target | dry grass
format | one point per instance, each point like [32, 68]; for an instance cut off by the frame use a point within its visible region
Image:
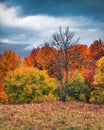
[52, 116]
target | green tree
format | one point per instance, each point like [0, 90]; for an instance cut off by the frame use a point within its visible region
[26, 84]
[77, 87]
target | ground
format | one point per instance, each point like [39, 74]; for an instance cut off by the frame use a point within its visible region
[52, 116]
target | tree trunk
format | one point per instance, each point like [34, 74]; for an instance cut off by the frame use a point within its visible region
[60, 75]
[66, 73]
[66, 82]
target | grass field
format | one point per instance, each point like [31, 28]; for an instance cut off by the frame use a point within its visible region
[52, 116]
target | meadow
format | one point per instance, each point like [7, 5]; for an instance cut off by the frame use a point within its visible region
[52, 116]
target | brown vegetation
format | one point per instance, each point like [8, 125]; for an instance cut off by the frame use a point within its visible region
[52, 116]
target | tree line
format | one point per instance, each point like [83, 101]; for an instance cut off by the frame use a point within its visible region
[61, 69]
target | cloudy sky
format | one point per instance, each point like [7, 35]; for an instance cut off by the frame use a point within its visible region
[30, 22]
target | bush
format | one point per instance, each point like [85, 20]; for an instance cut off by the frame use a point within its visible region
[46, 98]
[78, 89]
[97, 95]
[25, 85]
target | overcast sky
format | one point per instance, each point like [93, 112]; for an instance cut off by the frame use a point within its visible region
[32, 21]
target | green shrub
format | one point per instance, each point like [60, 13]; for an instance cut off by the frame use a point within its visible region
[97, 95]
[46, 98]
[26, 84]
[78, 89]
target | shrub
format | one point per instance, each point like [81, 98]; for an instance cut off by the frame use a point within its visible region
[78, 89]
[25, 85]
[97, 95]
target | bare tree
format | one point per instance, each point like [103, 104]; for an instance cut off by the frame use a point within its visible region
[62, 40]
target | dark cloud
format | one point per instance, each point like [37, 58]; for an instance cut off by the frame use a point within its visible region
[3, 0]
[89, 8]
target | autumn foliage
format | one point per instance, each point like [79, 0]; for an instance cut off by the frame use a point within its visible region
[42, 58]
[97, 94]
[8, 61]
[36, 80]
[78, 88]
[3, 96]
[97, 49]
[27, 84]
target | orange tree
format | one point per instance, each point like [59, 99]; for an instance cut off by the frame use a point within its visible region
[79, 54]
[30, 60]
[42, 58]
[8, 61]
[97, 49]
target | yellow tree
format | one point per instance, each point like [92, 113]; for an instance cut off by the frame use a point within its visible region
[28, 84]
[97, 95]
[99, 76]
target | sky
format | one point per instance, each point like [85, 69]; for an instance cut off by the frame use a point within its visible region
[31, 22]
